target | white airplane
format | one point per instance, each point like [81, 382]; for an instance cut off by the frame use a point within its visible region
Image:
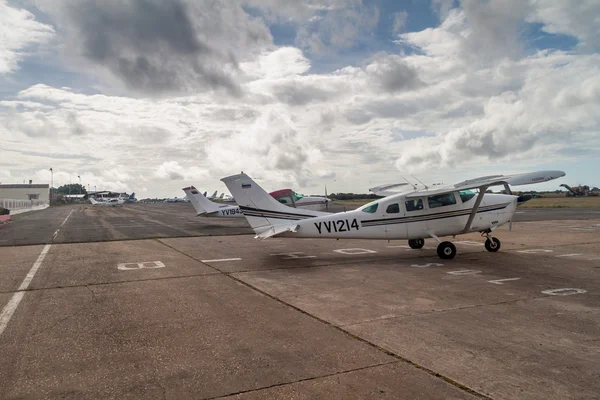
[112, 201]
[204, 206]
[213, 196]
[413, 215]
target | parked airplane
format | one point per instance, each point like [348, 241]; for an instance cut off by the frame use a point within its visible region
[204, 206]
[112, 201]
[413, 215]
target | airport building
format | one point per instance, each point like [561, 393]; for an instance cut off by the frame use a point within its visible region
[38, 192]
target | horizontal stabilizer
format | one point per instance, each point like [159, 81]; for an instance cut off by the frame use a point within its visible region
[275, 230]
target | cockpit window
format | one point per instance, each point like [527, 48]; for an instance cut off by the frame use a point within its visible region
[393, 209]
[371, 209]
[285, 200]
[441, 200]
[466, 195]
[297, 196]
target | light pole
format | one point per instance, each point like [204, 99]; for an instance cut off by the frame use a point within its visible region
[51, 184]
[79, 184]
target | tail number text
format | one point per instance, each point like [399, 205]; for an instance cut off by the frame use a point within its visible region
[342, 225]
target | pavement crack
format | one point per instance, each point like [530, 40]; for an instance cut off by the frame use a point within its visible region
[390, 353]
[301, 380]
[443, 310]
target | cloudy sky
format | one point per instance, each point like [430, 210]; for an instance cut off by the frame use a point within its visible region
[153, 95]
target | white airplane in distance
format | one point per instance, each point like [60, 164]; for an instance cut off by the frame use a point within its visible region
[212, 196]
[204, 206]
[112, 201]
[412, 215]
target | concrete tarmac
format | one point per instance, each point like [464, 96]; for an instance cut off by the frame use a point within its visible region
[213, 316]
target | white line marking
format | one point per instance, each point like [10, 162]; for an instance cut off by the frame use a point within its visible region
[564, 291]
[533, 251]
[55, 234]
[222, 259]
[354, 251]
[12, 305]
[569, 255]
[499, 281]
[464, 272]
[67, 218]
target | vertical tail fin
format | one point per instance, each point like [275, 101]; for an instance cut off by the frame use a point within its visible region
[93, 201]
[201, 204]
[132, 196]
[260, 209]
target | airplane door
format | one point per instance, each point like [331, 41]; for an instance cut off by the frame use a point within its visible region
[417, 228]
[395, 227]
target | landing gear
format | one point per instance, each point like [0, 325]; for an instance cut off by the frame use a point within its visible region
[492, 244]
[416, 243]
[446, 250]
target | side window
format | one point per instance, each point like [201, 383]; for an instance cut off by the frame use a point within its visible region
[414, 205]
[466, 195]
[441, 200]
[393, 209]
[371, 209]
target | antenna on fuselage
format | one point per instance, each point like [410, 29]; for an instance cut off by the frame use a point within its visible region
[426, 188]
[409, 182]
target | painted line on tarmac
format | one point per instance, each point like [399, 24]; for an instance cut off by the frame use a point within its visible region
[221, 259]
[61, 225]
[12, 305]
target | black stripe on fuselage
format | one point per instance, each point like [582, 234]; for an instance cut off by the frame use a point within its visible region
[257, 212]
[429, 217]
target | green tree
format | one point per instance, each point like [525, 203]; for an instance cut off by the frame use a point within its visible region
[73, 188]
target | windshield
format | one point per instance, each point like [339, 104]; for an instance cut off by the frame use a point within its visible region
[297, 196]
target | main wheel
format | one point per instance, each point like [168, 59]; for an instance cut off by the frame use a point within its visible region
[492, 245]
[446, 250]
[416, 243]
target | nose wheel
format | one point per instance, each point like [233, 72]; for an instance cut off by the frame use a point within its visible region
[416, 243]
[446, 250]
[492, 244]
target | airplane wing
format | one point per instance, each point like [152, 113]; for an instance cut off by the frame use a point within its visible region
[274, 230]
[485, 182]
[384, 190]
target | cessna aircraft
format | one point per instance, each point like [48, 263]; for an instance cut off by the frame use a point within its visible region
[204, 206]
[113, 201]
[413, 215]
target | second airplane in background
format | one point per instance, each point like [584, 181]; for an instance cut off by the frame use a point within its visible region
[205, 207]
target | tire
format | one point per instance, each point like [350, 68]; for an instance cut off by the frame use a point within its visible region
[416, 243]
[446, 250]
[492, 245]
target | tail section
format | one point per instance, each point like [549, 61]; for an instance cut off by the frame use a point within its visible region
[201, 204]
[260, 209]
[222, 194]
[132, 196]
[93, 201]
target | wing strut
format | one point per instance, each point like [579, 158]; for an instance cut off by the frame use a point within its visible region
[475, 208]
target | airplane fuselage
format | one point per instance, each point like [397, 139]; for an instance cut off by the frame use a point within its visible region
[397, 219]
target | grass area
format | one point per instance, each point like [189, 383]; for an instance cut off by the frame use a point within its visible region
[546, 202]
[563, 202]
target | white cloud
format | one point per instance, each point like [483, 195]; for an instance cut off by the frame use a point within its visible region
[18, 32]
[576, 19]
[465, 96]
[173, 171]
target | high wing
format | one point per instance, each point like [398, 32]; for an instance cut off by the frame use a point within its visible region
[485, 182]
[384, 190]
